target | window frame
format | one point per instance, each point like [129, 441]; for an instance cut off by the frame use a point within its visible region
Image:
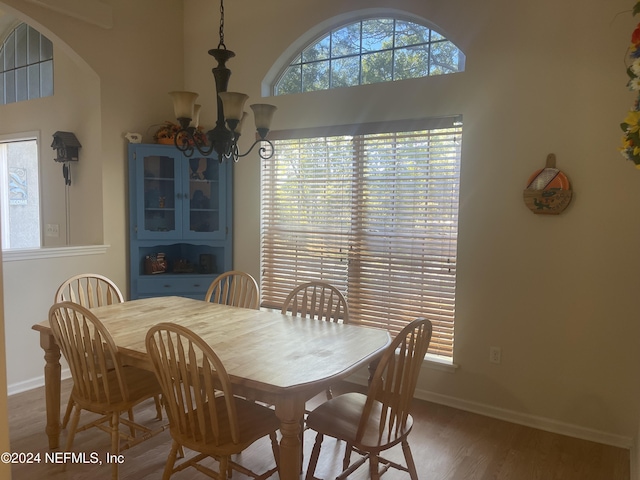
[431, 124]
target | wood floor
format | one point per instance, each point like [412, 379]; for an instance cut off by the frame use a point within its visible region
[447, 444]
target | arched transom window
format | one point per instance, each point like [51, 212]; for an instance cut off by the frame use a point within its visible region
[369, 51]
[26, 65]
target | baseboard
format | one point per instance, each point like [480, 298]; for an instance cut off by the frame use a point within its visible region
[541, 423]
[36, 382]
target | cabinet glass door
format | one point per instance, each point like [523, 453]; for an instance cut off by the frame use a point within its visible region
[159, 213]
[205, 191]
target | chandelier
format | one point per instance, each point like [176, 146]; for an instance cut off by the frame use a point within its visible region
[223, 138]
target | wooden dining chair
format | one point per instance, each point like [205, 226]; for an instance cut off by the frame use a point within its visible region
[235, 288]
[372, 423]
[204, 415]
[91, 290]
[100, 383]
[319, 300]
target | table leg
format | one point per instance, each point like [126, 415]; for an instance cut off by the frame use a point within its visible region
[52, 387]
[290, 411]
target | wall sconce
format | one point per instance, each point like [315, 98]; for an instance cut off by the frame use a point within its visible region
[66, 146]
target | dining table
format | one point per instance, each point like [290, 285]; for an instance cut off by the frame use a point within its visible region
[270, 357]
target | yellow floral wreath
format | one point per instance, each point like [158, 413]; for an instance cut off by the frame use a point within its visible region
[631, 140]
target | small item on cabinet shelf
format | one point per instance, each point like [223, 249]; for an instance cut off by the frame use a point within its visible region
[207, 263]
[183, 266]
[199, 200]
[165, 135]
[197, 167]
[155, 264]
[548, 190]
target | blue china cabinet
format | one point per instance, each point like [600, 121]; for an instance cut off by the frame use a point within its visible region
[180, 218]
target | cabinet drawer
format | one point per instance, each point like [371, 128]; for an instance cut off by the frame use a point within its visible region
[161, 283]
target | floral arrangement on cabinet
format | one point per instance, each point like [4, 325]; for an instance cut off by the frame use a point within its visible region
[168, 130]
[631, 126]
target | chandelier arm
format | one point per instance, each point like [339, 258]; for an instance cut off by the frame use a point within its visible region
[234, 152]
[183, 145]
[264, 152]
[186, 142]
[205, 152]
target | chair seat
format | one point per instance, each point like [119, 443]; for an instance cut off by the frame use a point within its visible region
[254, 422]
[340, 418]
[142, 384]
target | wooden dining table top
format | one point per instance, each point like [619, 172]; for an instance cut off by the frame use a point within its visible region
[263, 350]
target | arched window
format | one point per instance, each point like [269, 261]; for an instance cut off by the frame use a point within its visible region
[26, 65]
[369, 51]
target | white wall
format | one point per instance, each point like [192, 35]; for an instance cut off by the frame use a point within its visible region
[558, 294]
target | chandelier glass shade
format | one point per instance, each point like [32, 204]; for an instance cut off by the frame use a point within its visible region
[223, 138]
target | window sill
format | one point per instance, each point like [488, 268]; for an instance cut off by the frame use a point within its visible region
[52, 252]
[439, 363]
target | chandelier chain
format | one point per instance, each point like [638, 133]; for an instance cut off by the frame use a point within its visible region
[221, 44]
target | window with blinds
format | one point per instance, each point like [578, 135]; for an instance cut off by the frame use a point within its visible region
[372, 209]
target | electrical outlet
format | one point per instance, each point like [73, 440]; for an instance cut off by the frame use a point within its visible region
[52, 230]
[495, 354]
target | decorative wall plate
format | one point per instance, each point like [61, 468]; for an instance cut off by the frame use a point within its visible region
[548, 190]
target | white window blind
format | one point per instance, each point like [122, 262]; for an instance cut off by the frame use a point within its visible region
[372, 209]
